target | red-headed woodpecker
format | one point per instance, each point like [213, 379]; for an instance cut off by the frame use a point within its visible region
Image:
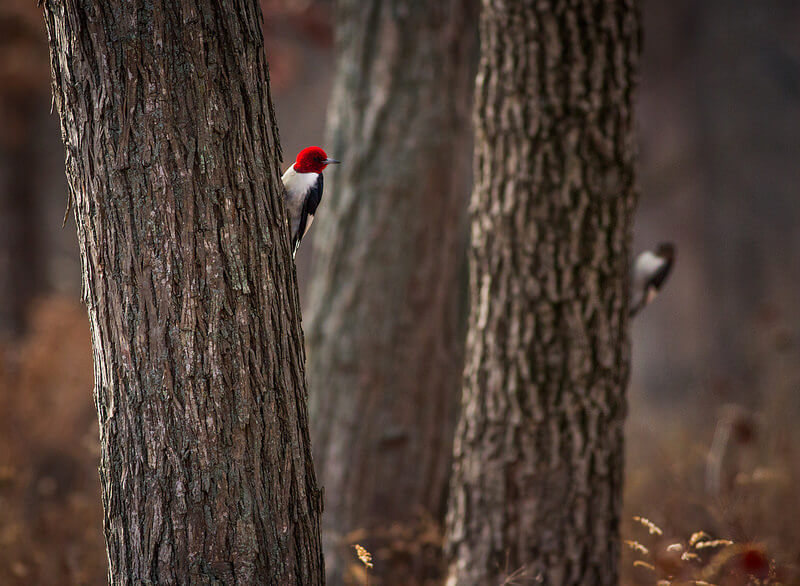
[650, 271]
[303, 190]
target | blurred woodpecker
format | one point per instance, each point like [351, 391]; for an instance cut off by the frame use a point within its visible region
[303, 190]
[649, 273]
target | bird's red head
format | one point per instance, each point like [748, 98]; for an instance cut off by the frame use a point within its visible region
[312, 160]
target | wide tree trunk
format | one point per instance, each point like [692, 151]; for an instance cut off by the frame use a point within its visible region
[386, 306]
[537, 478]
[173, 162]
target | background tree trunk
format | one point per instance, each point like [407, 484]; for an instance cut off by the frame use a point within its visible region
[173, 160]
[537, 479]
[21, 258]
[386, 320]
[23, 90]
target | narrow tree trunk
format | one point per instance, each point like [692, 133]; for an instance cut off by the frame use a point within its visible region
[537, 479]
[23, 87]
[21, 257]
[386, 335]
[173, 161]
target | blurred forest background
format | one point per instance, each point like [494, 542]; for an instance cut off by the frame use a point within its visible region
[719, 122]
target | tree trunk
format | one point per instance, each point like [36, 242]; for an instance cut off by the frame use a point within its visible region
[23, 87]
[173, 161]
[537, 478]
[21, 257]
[387, 310]
[744, 102]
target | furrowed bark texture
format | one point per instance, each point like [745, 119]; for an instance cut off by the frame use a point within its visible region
[537, 479]
[386, 329]
[173, 159]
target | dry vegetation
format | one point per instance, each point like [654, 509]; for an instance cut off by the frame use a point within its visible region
[744, 529]
[50, 516]
[731, 472]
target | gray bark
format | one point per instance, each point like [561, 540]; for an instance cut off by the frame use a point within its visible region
[172, 156]
[386, 307]
[537, 477]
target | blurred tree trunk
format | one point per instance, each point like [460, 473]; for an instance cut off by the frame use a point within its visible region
[21, 262]
[537, 477]
[386, 320]
[745, 102]
[173, 160]
[23, 83]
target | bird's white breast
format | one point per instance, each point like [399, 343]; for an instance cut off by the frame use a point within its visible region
[298, 184]
[647, 264]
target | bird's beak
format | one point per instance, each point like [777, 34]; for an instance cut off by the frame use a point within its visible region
[331, 161]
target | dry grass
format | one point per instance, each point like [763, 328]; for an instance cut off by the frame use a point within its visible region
[751, 531]
[701, 560]
[733, 471]
[401, 552]
[366, 560]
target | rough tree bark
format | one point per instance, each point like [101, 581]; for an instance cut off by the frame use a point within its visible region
[386, 310]
[173, 160]
[537, 478]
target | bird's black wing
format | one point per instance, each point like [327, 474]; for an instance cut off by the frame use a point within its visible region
[310, 204]
[651, 287]
[658, 278]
